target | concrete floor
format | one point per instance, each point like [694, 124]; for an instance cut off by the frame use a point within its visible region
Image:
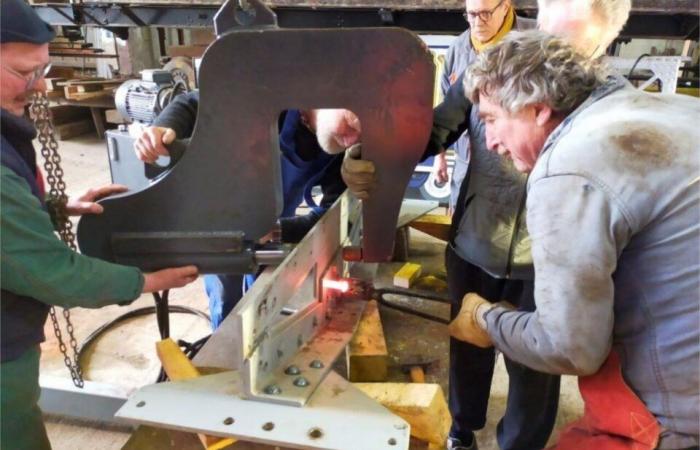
[126, 355]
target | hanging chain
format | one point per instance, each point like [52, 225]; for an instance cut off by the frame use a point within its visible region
[39, 111]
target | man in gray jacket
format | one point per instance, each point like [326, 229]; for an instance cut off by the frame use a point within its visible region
[489, 248]
[613, 211]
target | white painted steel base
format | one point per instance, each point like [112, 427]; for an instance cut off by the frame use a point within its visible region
[338, 416]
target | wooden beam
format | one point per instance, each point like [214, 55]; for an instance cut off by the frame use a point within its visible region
[407, 275]
[437, 226]
[423, 406]
[366, 354]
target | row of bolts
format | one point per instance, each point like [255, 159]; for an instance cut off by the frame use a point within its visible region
[273, 389]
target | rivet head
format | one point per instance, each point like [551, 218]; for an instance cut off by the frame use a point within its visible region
[301, 382]
[292, 370]
[273, 389]
[316, 364]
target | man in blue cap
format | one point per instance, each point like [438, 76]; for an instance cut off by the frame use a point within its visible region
[38, 270]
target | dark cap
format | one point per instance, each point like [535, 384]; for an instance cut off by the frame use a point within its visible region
[20, 23]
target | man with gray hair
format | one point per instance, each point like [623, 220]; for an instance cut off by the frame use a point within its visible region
[613, 211]
[489, 247]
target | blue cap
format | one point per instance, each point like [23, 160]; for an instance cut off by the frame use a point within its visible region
[20, 23]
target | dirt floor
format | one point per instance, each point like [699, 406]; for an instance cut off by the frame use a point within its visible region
[125, 356]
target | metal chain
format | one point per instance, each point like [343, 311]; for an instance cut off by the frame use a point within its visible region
[41, 115]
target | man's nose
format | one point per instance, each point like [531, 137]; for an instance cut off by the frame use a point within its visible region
[491, 141]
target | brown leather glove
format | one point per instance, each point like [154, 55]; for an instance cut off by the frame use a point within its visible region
[357, 173]
[469, 326]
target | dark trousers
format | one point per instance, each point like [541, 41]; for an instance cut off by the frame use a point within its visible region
[533, 397]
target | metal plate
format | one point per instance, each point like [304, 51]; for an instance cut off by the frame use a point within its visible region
[338, 414]
[229, 177]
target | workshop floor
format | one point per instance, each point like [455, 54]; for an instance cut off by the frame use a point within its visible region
[126, 356]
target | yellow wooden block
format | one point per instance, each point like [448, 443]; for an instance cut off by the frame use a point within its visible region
[178, 367]
[437, 226]
[406, 275]
[175, 363]
[423, 406]
[366, 354]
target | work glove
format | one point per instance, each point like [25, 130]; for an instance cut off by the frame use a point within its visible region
[469, 325]
[358, 174]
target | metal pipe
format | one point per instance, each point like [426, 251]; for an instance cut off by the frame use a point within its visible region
[269, 257]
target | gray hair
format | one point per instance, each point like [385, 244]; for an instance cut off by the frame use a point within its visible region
[612, 13]
[533, 67]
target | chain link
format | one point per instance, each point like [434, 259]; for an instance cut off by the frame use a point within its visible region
[41, 115]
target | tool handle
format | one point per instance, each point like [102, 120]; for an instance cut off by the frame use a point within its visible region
[417, 374]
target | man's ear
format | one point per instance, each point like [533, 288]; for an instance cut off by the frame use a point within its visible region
[543, 114]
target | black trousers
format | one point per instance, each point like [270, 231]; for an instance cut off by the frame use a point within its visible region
[533, 397]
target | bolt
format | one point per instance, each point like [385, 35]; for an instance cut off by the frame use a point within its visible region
[301, 382]
[316, 364]
[273, 389]
[292, 370]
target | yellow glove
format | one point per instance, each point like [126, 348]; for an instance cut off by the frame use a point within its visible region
[469, 326]
[357, 173]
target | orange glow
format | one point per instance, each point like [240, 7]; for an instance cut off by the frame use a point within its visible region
[337, 285]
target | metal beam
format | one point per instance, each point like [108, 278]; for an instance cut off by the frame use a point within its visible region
[95, 401]
[650, 18]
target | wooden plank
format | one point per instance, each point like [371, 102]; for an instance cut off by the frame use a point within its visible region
[423, 406]
[366, 354]
[93, 81]
[102, 93]
[73, 129]
[178, 367]
[191, 51]
[71, 91]
[435, 225]
[54, 95]
[61, 72]
[51, 83]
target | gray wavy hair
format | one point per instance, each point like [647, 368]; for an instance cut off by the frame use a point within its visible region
[612, 13]
[531, 67]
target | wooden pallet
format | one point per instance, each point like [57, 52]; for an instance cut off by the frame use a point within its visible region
[89, 88]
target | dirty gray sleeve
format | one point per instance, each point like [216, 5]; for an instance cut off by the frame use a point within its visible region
[577, 234]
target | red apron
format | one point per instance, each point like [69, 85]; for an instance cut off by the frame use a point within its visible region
[614, 417]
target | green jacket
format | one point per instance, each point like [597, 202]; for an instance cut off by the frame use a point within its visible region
[36, 266]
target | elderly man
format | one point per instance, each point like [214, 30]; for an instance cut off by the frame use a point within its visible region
[489, 249]
[38, 270]
[614, 217]
[488, 21]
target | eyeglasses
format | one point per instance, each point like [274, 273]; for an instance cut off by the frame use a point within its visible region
[32, 77]
[485, 14]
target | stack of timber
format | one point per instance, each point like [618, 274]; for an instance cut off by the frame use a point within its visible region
[88, 88]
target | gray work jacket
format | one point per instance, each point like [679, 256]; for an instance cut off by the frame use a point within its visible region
[614, 217]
